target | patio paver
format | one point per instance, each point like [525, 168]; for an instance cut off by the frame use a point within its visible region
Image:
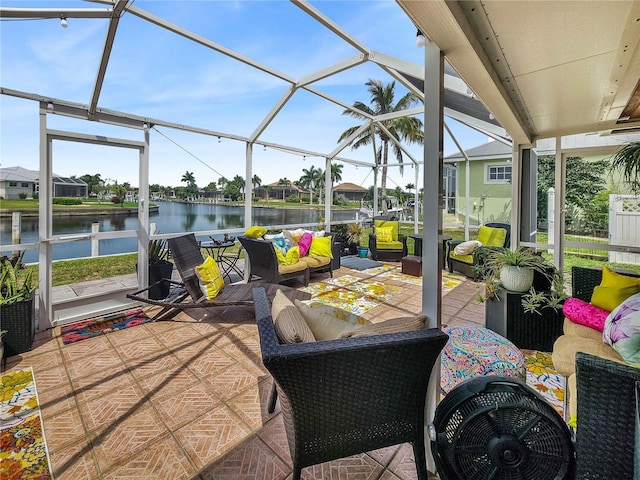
[184, 399]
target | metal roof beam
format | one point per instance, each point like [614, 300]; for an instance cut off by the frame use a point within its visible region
[27, 13]
[206, 42]
[106, 53]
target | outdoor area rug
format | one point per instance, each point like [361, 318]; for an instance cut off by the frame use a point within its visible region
[358, 263]
[101, 325]
[23, 449]
[542, 377]
[352, 294]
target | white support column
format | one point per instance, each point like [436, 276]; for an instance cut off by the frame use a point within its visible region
[45, 228]
[328, 190]
[559, 210]
[516, 189]
[432, 217]
[416, 198]
[143, 213]
[248, 186]
[375, 191]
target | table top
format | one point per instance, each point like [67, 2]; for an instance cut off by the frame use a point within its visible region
[418, 236]
[209, 244]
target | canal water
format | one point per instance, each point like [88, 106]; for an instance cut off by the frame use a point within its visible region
[172, 217]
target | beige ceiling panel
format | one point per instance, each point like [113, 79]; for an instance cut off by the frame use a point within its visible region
[539, 35]
[575, 85]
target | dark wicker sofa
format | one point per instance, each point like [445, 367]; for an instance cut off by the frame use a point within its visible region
[606, 428]
[352, 395]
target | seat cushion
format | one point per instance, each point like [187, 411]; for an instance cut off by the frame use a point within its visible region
[289, 323]
[315, 261]
[296, 267]
[572, 328]
[491, 236]
[393, 325]
[566, 347]
[326, 321]
[470, 259]
[389, 245]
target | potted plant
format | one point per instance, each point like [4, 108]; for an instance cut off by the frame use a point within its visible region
[514, 268]
[354, 237]
[16, 305]
[159, 268]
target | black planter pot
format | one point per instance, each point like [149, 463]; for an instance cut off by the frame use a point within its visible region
[17, 319]
[353, 249]
[158, 271]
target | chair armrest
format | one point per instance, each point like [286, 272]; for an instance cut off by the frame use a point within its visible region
[372, 241]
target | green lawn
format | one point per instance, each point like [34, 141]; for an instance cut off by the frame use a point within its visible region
[89, 203]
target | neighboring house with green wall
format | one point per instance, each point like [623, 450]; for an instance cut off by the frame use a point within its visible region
[490, 171]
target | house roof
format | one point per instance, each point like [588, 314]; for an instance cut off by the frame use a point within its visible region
[20, 174]
[349, 187]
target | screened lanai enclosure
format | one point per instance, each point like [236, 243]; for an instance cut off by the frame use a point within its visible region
[220, 89]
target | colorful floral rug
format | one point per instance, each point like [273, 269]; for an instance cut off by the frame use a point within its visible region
[352, 294]
[99, 326]
[23, 449]
[542, 377]
[394, 272]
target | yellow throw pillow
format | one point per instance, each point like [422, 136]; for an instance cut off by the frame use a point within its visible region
[613, 279]
[211, 280]
[255, 232]
[320, 247]
[387, 223]
[614, 289]
[384, 234]
[608, 298]
[291, 258]
[492, 237]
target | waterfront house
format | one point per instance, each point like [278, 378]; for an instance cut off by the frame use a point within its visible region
[19, 182]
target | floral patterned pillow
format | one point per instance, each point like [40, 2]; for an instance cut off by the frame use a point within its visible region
[583, 313]
[622, 330]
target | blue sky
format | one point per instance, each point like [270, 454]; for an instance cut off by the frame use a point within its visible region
[156, 73]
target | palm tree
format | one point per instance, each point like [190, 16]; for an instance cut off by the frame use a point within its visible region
[256, 181]
[627, 160]
[188, 178]
[308, 180]
[409, 186]
[287, 183]
[407, 129]
[336, 173]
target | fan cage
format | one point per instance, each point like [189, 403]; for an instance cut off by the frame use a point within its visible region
[499, 428]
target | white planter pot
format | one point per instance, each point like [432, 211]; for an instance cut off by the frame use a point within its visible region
[516, 279]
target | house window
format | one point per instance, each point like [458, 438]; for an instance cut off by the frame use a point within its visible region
[24, 184]
[13, 184]
[498, 174]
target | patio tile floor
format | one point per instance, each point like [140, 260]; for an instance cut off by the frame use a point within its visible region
[183, 399]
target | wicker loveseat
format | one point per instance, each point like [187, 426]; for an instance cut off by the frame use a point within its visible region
[351, 395]
[263, 261]
[581, 338]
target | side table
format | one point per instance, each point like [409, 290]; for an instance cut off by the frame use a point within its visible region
[417, 246]
[505, 315]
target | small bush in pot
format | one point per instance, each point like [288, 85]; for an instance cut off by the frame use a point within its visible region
[16, 305]
[159, 268]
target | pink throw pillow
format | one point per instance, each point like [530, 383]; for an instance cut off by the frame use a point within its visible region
[583, 313]
[305, 243]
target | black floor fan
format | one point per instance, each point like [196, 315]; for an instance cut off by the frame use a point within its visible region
[498, 428]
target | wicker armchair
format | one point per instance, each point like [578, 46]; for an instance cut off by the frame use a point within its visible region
[349, 396]
[263, 263]
[605, 435]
